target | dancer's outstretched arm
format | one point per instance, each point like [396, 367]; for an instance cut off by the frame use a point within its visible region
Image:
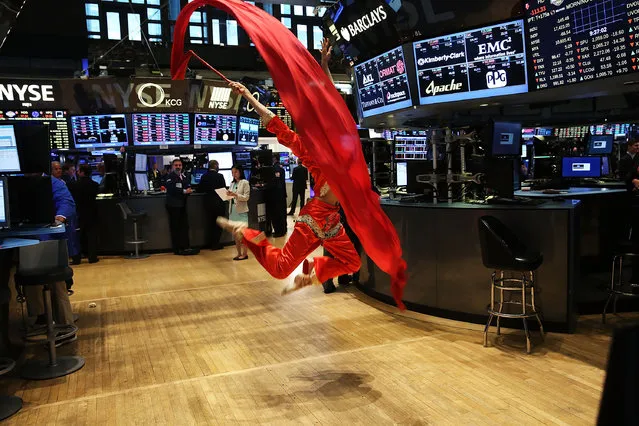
[326, 57]
[263, 112]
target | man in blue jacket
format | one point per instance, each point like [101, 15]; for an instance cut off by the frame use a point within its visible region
[65, 211]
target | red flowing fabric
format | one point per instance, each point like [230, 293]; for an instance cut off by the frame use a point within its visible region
[323, 122]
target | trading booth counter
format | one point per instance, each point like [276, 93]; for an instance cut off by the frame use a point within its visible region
[571, 192]
[114, 231]
[446, 276]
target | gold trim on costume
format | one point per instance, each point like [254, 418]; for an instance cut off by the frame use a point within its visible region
[319, 233]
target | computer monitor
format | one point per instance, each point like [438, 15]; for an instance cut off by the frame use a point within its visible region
[600, 145]
[31, 200]
[228, 176]
[243, 158]
[97, 179]
[402, 177]
[502, 176]
[9, 159]
[4, 203]
[503, 139]
[196, 175]
[581, 167]
[224, 159]
[140, 163]
[141, 182]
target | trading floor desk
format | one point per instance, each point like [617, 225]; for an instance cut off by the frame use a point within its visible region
[113, 231]
[446, 276]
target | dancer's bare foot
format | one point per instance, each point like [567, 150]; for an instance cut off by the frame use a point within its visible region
[234, 228]
[300, 281]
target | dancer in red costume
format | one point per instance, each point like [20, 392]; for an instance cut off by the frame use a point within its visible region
[325, 125]
[317, 224]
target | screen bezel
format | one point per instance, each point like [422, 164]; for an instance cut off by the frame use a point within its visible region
[5, 194]
[154, 144]
[101, 145]
[609, 138]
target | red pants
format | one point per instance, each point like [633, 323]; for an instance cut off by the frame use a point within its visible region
[318, 224]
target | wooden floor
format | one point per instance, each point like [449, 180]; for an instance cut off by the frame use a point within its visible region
[205, 340]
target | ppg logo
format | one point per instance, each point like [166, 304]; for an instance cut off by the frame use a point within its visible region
[496, 79]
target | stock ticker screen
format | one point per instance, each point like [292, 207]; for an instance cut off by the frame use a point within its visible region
[248, 131]
[57, 121]
[215, 129]
[489, 61]
[382, 84]
[577, 41]
[99, 131]
[161, 129]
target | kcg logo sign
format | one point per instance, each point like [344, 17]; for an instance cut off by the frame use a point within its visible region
[153, 95]
[496, 79]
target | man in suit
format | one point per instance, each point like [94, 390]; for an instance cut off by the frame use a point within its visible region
[629, 172]
[68, 173]
[178, 189]
[300, 176]
[155, 177]
[629, 163]
[278, 195]
[213, 204]
[84, 192]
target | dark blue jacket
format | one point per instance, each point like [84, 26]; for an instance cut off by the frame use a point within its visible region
[175, 196]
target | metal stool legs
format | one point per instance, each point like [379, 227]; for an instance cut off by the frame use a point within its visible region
[9, 405]
[136, 244]
[56, 366]
[528, 310]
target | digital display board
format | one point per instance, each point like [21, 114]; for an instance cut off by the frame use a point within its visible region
[610, 129]
[571, 132]
[9, 159]
[411, 148]
[248, 130]
[489, 61]
[382, 84]
[282, 114]
[56, 120]
[161, 129]
[99, 131]
[215, 129]
[577, 41]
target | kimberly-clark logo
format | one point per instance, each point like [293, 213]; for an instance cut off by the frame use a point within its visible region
[496, 79]
[440, 58]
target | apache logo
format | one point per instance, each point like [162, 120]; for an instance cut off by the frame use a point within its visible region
[451, 87]
[362, 24]
[152, 95]
[496, 79]
[496, 47]
[26, 92]
[368, 79]
[394, 96]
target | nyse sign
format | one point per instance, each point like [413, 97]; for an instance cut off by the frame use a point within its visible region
[28, 94]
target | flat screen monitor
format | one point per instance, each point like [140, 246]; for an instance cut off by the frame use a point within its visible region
[228, 176]
[140, 162]
[506, 139]
[243, 158]
[4, 203]
[485, 62]
[248, 131]
[97, 179]
[31, 200]
[573, 42]
[402, 177]
[413, 169]
[224, 159]
[382, 84]
[524, 150]
[411, 148]
[215, 129]
[196, 175]
[99, 131]
[161, 129]
[141, 182]
[284, 158]
[600, 145]
[9, 159]
[56, 121]
[581, 167]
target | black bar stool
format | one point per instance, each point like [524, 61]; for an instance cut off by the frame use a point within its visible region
[502, 251]
[43, 265]
[134, 217]
[624, 249]
[9, 405]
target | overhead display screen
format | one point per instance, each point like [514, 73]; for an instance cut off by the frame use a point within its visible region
[161, 129]
[56, 120]
[382, 84]
[248, 131]
[576, 41]
[99, 131]
[215, 129]
[489, 61]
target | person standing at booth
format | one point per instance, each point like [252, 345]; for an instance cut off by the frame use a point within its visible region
[155, 177]
[300, 176]
[178, 189]
[213, 204]
[68, 173]
[85, 192]
[240, 192]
